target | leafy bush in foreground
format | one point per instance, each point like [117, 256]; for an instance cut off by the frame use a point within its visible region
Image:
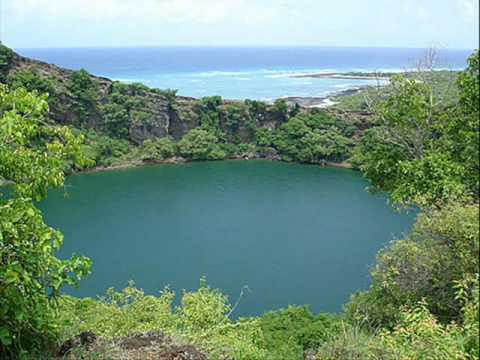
[421, 151]
[32, 158]
[417, 336]
[289, 332]
[441, 250]
[202, 318]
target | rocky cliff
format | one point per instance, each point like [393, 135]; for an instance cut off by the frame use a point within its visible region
[132, 111]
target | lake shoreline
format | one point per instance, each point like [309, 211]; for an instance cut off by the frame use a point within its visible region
[180, 161]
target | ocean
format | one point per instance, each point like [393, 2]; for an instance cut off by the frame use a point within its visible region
[261, 73]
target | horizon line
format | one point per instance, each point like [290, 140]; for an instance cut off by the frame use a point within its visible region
[239, 46]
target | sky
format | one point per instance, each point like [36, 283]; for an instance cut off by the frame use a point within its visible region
[371, 23]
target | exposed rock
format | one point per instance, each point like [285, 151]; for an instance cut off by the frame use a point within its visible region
[85, 339]
[141, 346]
[269, 154]
[310, 355]
[185, 352]
[161, 116]
[138, 341]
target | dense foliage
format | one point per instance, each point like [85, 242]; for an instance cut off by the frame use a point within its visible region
[423, 302]
[421, 151]
[425, 154]
[417, 335]
[160, 149]
[32, 81]
[124, 106]
[441, 251]
[289, 332]
[6, 56]
[32, 156]
[84, 92]
[202, 318]
[200, 144]
[313, 138]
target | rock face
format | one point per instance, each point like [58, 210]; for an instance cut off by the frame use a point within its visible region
[140, 346]
[157, 113]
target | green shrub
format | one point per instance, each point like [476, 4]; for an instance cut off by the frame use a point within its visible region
[210, 115]
[202, 318]
[441, 250]
[117, 119]
[158, 149]
[280, 109]
[257, 109]
[352, 343]
[310, 138]
[6, 57]
[236, 117]
[124, 107]
[84, 93]
[246, 150]
[103, 150]
[32, 157]
[417, 336]
[291, 331]
[32, 81]
[421, 151]
[200, 144]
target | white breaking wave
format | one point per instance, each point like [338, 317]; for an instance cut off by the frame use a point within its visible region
[275, 74]
[344, 86]
[221, 73]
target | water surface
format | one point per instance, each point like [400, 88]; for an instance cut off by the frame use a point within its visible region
[241, 72]
[295, 234]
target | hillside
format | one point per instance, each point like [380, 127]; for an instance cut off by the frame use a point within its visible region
[84, 100]
[129, 124]
[423, 298]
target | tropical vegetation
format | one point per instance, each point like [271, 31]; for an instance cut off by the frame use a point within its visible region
[423, 302]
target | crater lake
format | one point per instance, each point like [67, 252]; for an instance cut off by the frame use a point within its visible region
[294, 234]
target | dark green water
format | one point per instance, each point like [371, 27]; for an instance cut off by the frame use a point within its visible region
[295, 234]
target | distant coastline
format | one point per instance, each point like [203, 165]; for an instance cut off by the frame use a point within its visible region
[324, 101]
[234, 73]
[346, 76]
[329, 99]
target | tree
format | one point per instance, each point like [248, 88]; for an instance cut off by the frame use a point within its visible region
[441, 251]
[32, 81]
[420, 150]
[6, 56]
[280, 109]
[312, 138]
[159, 149]
[84, 92]
[32, 158]
[464, 132]
[200, 144]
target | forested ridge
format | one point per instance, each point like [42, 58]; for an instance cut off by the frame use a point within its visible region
[419, 146]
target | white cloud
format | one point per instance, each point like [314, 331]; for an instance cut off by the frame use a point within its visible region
[239, 22]
[470, 7]
[146, 11]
